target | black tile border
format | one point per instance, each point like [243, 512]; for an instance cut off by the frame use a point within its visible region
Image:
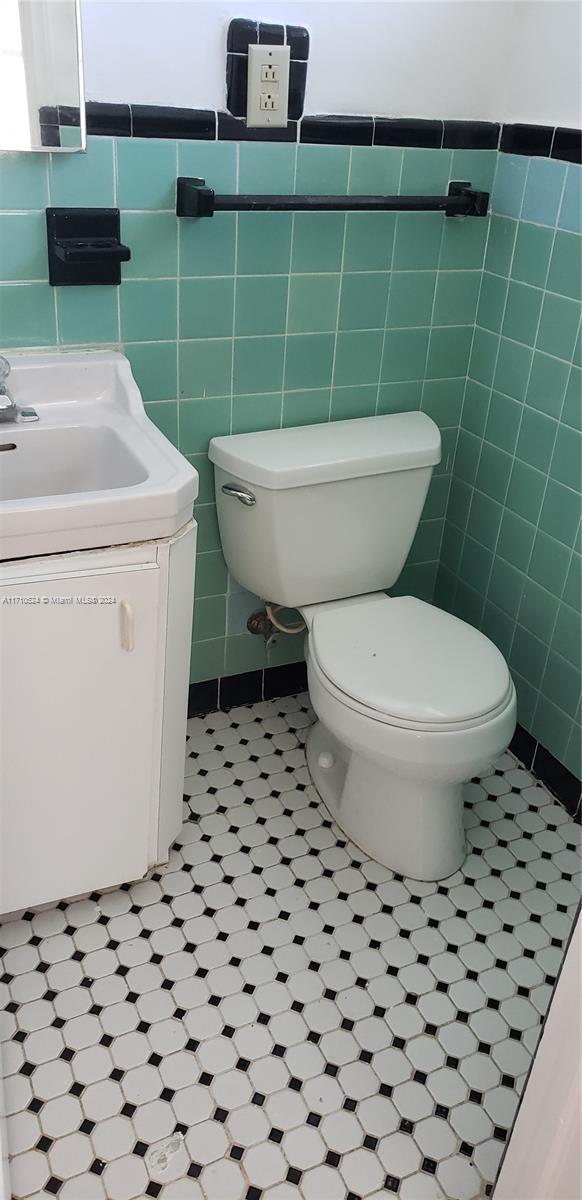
[138, 120]
[248, 688]
[337, 131]
[532, 140]
[552, 773]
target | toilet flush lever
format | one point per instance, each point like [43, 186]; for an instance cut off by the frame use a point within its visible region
[239, 493]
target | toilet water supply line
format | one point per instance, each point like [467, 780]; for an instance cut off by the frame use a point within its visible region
[265, 622]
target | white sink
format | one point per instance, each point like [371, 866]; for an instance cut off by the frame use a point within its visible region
[93, 470]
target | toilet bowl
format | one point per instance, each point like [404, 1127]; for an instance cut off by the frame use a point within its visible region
[411, 703]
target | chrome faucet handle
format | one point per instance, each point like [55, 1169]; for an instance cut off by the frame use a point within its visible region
[4, 372]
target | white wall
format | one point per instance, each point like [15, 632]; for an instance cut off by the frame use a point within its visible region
[511, 60]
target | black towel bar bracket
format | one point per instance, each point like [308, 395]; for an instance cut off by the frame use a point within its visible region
[195, 199]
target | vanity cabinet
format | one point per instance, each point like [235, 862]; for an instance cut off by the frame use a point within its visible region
[94, 657]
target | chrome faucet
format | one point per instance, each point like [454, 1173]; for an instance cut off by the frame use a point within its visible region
[10, 411]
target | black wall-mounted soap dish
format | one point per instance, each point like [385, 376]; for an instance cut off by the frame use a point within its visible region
[84, 246]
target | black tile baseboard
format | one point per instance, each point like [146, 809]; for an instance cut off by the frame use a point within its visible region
[557, 778]
[247, 688]
[138, 120]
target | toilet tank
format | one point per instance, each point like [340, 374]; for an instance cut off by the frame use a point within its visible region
[332, 509]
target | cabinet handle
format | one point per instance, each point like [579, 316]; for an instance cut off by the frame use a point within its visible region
[127, 639]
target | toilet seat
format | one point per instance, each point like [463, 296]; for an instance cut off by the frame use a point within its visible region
[404, 662]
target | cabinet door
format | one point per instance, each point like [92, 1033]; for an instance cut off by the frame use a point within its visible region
[78, 680]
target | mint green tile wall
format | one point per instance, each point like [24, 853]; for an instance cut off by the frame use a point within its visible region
[510, 560]
[268, 319]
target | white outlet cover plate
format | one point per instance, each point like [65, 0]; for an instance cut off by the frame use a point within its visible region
[268, 98]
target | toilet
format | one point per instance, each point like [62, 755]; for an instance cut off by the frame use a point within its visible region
[411, 702]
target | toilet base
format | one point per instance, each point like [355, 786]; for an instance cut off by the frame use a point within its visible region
[409, 825]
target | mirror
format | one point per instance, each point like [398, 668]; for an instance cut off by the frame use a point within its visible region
[41, 77]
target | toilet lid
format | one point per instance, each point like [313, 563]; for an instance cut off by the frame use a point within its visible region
[409, 660]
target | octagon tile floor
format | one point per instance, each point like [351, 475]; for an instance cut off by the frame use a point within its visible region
[273, 1015]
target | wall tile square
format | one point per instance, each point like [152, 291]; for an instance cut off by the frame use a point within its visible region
[214, 162]
[500, 245]
[536, 439]
[164, 414]
[318, 241]
[549, 563]
[205, 367]
[375, 170]
[509, 185]
[522, 313]
[512, 369]
[258, 364]
[405, 353]
[526, 491]
[264, 243]
[531, 259]
[309, 360]
[207, 661]
[463, 244]
[146, 173]
[565, 265]
[27, 315]
[547, 384]
[492, 297]
[261, 304]
[148, 310]
[84, 180]
[266, 168]
[357, 357]
[559, 324]
[351, 402]
[306, 407]
[23, 246]
[571, 208]
[448, 352]
[200, 420]
[411, 298]
[313, 303]
[369, 240]
[363, 301]
[425, 172]
[417, 242]
[543, 191]
[87, 315]
[206, 308]
[322, 170]
[250, 413]
[154, 368]
[503, 421]
[153, 240]
[23, 181]
[207, 247]
[456, 297]
[560, 515]
[404, 396]
[572, 409]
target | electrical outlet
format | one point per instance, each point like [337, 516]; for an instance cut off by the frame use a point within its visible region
[268, 86]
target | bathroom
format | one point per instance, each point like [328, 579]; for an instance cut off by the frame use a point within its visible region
[290, 616]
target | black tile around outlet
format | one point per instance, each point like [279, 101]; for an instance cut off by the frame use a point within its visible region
[241, 34]
[401, 131]
[297, 81]
[337, 130]
[237, 73]
[298, 42]
[271, 35]
[234, 129]
[527, 139]
[567, 145]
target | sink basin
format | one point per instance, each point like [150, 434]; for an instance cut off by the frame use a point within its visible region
[60, 462]
[93, 470]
